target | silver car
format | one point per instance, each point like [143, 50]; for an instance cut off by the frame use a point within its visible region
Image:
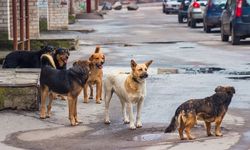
[195, 12]
[170, 6]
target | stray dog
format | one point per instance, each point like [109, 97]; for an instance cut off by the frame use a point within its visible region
[97, 60]
[66, 82]
[26, 59]
[210, 109]
[131, 89]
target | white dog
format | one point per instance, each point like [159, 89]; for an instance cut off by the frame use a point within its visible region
[131, 89]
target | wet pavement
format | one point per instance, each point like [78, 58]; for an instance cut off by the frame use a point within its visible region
[200, 63]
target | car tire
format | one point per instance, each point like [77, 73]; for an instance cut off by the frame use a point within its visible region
[224, 38]
[235, 39]
[180, 19]
[193, 23]
[206, 28]
[188, 22]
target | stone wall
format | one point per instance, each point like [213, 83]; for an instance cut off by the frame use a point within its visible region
[33, 22]
[43, 9]
[58, 15]
[3, 15]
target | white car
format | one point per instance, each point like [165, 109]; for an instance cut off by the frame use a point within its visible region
[170, 6]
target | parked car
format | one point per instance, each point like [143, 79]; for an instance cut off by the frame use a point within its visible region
[170, 6]
[212, 14]
[195, 12]
[235, 21]
[182, 14]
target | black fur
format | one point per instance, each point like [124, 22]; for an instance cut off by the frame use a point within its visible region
[61, 81]
[25, 59]
[210, 107]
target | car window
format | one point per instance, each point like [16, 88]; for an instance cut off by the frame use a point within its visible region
[219, 2]
[246, 3]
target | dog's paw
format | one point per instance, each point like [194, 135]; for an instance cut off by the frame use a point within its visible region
[98, 102]
[138, 125]
[210, 134]
[107, 122]
[126, 121]
[86, 101]
[218, 134]
[42, 116]
[90, 97]
[132, 127]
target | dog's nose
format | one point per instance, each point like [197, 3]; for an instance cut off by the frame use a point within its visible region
[145, 75]
[67, 57]
[102, 62]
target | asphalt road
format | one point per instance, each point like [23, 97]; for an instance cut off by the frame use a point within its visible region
[201, 60]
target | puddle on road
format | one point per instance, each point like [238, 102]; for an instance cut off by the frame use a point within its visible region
[240, 78]
[147, 137]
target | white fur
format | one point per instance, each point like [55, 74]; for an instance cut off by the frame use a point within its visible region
[116, 83]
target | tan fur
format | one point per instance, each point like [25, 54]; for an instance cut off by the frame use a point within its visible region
[97, 59]
[131, 89]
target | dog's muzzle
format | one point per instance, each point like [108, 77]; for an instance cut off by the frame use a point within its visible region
[99, 66]
[144, 75]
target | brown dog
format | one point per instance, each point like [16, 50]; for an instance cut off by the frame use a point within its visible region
[66, 82]
[210, 109]
[97, 60]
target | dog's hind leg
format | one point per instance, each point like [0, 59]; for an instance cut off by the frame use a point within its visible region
[91, 91]
[189, 123]
[138, 116]
[131, 117]
[44, 94]
[124, 112]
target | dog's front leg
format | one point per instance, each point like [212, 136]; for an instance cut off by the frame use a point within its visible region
[138, 116]
[124, 109]
[75, 110]
[217, 126]
[44, 94]
[98, 92]
[85, 93]
[131, 117]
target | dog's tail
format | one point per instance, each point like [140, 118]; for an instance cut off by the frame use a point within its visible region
[174, 123]
[48, 60]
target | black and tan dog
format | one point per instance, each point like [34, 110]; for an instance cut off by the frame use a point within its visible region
[66, 82]
[210, 109]
[97, 60]
[26, 59]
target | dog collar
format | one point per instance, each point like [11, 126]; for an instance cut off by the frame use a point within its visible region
[135, 80]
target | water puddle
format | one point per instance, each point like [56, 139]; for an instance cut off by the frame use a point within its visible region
[147, 137]
[240, 78]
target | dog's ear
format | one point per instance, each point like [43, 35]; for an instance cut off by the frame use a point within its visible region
[91, 58]
[148, 63]
[219, 89]
[231, 90]
[133, 64]
[97, 49]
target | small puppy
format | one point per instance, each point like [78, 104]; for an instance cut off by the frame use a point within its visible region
[210, 109]
[97, 60]
[131, 89]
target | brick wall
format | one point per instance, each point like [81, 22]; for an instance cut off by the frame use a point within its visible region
[34, 19]
[58, 15]
[3, 15]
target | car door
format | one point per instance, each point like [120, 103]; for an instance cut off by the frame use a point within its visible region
[225, 17]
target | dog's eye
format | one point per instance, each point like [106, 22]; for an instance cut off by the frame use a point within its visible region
[140, 69]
